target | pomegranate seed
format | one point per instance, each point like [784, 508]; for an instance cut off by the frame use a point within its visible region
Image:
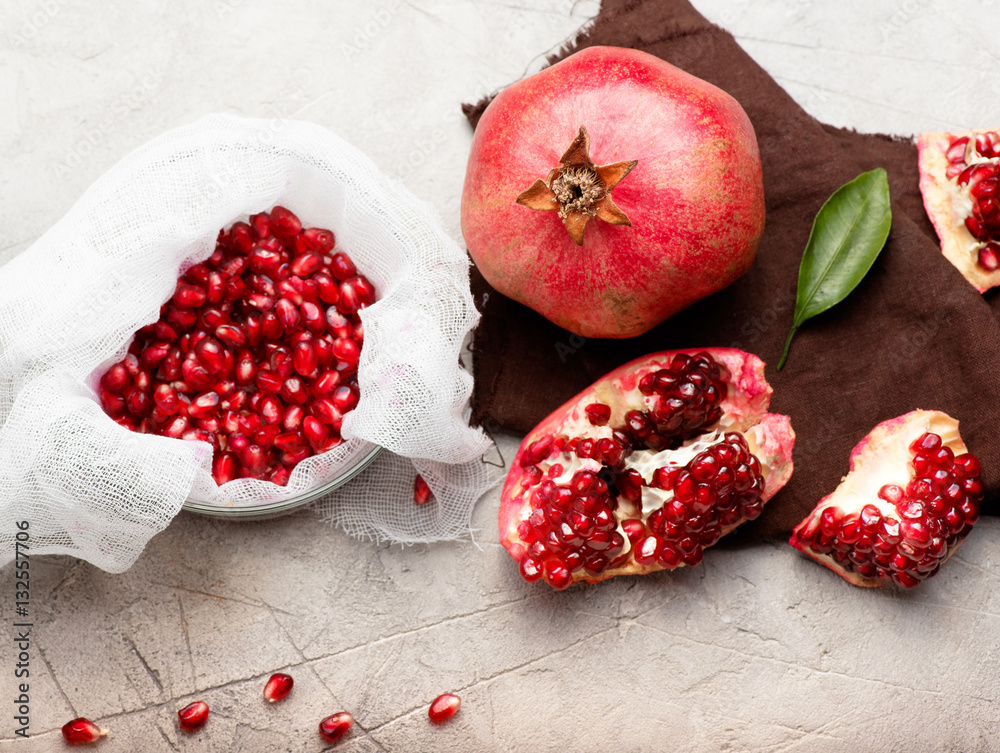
[137, 402]
[989, 257]
[189, 296]
[115, 379]
[421, 491]
[335, 726]
[444, 707]
[598, 414]
[326, 383]
[193, 716]
[225, 468]
[321, 241]
[304, 359]
[284, 223]
[313, 317]
[342, 266]
[293, 390]
[315, 431]
[306, 264]
[345, 398]
[82, 730]
[355, 294]
[278, 687]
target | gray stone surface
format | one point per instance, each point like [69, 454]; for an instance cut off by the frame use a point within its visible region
[757, 649]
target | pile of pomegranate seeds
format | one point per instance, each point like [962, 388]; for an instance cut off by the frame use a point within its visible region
[193, 716]
[974, 163]
[256, 353]
[907, 540]
[82, 731]
[445, 706]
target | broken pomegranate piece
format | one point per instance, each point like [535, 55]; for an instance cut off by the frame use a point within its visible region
[646, 468]
[960, 184]
[911, 497]
[256, 352]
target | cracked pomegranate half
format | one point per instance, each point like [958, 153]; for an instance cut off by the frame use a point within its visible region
[960, 183]
[646, 468]
[911, 497]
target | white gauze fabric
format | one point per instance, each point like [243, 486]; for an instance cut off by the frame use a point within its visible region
[70, 304]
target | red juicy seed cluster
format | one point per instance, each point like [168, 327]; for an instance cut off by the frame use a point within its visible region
[689, 395]
[571, 527]
[719, 489]
[934, 513]
[983, 182]
[256, 353]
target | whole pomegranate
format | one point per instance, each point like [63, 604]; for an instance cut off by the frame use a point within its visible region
[612, 190]
[911, 497]
[646, 468]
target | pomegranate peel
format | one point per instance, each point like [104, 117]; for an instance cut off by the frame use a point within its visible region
[959, 182]
[910, 498]
[646, 468]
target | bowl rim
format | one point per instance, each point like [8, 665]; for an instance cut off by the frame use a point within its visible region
[272, 508]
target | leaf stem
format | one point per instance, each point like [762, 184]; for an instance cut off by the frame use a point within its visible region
[788, 343]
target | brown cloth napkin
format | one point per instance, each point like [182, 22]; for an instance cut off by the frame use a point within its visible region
[914, 334]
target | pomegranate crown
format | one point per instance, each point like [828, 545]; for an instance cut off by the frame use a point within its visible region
[579, 190]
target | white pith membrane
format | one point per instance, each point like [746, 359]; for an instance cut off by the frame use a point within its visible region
[948, 204]
[883, 457]
[745, 414]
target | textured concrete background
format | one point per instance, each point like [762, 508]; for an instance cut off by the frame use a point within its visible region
[756, 649]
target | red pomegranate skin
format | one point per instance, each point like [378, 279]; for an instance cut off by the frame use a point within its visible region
[695, 199]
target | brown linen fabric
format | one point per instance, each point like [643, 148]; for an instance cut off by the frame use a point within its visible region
[914, 334]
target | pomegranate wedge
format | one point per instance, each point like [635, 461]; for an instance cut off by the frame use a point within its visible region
[911, 497]
[960, 184]
[646, 468]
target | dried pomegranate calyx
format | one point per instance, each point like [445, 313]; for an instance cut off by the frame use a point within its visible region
[579, 190]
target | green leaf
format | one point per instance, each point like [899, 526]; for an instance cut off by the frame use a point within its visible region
[848, 233]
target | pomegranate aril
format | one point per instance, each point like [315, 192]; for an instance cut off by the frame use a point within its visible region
[193, 716]
[342, 266]
[598, 414]
[189, 296]
[345, 398]
[335, 726]
[421, 491]
[82, 730]
[356, 293]
[284, 223]
[278, 686]
[444, 707]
